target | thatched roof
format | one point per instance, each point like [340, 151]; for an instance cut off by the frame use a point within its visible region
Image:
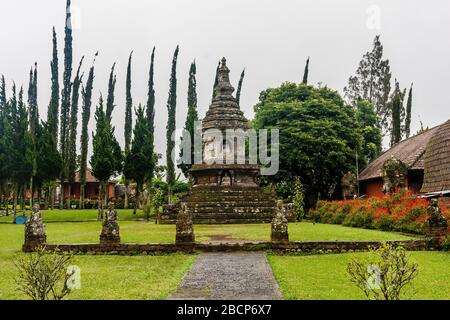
[437, 161]
[410, 151]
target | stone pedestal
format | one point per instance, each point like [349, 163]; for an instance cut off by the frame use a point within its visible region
[280, 225]
[110, 228]
[185, 226]
[35, 235]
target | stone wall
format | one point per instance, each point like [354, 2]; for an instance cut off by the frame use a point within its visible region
[290, 247]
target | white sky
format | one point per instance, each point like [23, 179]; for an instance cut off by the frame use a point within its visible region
[272, 39]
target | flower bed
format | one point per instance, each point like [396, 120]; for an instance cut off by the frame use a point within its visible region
[403, 212]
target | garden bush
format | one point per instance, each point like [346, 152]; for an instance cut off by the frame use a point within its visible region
[402, 211]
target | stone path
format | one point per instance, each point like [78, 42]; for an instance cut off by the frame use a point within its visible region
[229, 276]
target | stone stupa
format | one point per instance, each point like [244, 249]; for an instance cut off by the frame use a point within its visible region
[225, 192]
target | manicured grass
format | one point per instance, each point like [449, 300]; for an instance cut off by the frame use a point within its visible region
[319, 277]
[79, 215]
[143, 232]
[102, 277]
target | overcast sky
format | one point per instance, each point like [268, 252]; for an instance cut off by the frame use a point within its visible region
[271, 39]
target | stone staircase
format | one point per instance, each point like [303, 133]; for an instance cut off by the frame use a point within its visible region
[219, 205]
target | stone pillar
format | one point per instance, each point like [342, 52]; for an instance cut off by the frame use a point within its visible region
[280, 225]
[438, 226]
[185, 227]
[35, 235]
[110, 228]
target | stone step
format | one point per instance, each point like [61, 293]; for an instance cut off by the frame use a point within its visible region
[232, 210]
[231, 204]
[227, 216]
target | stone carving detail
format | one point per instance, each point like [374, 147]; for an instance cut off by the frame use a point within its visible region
[280, 224]
[436, 222]
[185, 227]
[35, 229]
[110, 227]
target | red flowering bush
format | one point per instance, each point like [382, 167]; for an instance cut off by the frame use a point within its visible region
[402, 211]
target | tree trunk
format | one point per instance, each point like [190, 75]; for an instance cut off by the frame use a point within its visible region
[106, 192]
[138, 196]
[31, 192]
[100, 202]
[69, 196]
[82, 186]
[61, 196]
[125, 201]
[15, 203]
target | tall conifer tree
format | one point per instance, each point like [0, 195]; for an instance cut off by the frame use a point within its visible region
[191, 118]
[408, 113]
[128, 121]
[239, 89]
[73, 125]
[306, 73]
[86, 93]
[171, 122]
[110, 98]
[65, 100]
[53, 107]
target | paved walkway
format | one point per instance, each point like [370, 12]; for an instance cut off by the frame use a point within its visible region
[229, 276]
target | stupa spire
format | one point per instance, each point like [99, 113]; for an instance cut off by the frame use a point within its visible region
[224, 89]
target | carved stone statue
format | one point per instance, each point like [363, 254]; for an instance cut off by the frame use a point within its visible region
[280, 224]
[435, 218]
[436, 222]
[110, 227]
[34, 230]
[185, 227]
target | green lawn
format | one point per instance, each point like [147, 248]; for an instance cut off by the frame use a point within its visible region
[102, 277]
[79, 215]
[155, 277]
[324, 277]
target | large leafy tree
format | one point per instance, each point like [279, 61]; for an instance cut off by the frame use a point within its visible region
[86, 93]
[191, 118]
[65, 100]
[139, 164]
[319, 136]
[171, 122]
[372, 82]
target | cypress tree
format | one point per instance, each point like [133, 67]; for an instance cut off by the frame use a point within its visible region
[86, 93]
[239, 89]
[53, 107]
[33, 124]
[128, 121]
[306, 73]
[137, 167]
[408, 113]
[2, 92]
[150, 116]
[73, 124]
[65, 100]
[396, 105]
[191, 118]
[110, 98]
[102, 162]
[171, 122]
[151, 95]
